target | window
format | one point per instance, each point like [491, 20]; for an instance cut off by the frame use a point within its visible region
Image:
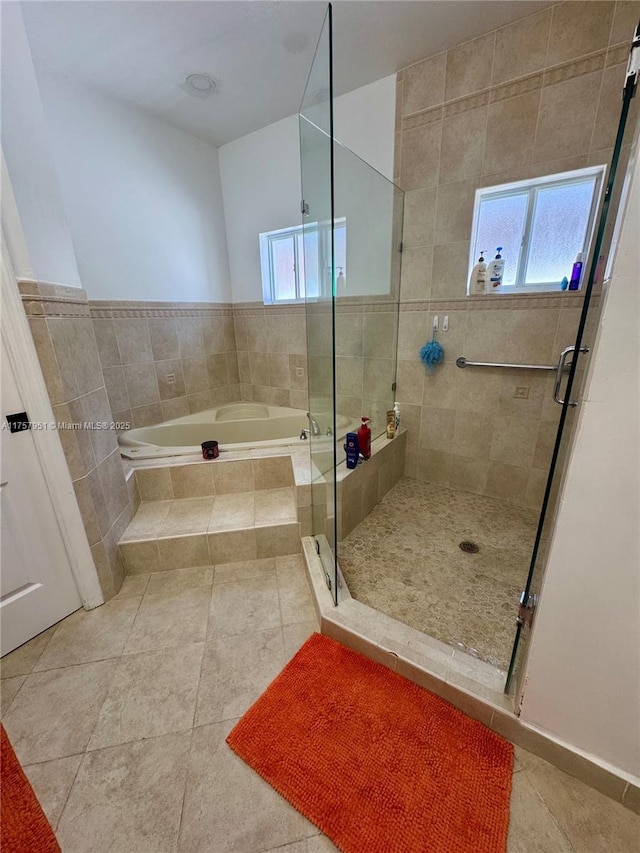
[296, 262]
[541, 225]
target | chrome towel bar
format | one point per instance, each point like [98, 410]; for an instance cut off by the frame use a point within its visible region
[463, 362]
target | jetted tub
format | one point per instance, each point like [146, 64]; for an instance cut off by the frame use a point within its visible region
[235, 427]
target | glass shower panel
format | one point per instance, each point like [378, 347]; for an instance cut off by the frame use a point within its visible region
[597, 268]
[370, 207]
[316, 160]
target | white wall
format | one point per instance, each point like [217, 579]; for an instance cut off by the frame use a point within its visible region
[143, 199]
[583, 675]
[29, 178]
[261, 175]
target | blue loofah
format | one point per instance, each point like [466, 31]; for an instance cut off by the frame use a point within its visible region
[431, 354]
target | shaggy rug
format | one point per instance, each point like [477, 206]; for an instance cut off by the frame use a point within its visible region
[377, 763]
[23, 826]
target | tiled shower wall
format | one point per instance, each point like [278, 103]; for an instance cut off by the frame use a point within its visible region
[163, 360]
[66, 345]
[539, 96]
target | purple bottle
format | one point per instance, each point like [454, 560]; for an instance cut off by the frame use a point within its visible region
[576, 273]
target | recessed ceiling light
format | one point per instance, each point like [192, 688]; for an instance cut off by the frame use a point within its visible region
[200, 85]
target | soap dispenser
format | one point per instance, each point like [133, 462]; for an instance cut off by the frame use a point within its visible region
[477, 283]
[496, 269]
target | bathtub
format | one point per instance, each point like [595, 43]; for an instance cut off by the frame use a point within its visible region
[235, 427]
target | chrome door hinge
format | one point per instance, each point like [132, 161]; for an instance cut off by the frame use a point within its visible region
[304, 208]
[526, 608]
[633, 68]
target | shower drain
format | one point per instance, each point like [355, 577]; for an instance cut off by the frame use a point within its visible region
[469, 547]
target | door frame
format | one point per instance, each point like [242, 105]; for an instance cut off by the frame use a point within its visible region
[26, 367]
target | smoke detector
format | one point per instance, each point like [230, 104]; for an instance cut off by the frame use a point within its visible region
[199, 84]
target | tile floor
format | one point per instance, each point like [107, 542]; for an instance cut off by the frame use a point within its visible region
[404, 559]
[119, 716]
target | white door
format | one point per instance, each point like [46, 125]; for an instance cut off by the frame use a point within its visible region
[37, 588]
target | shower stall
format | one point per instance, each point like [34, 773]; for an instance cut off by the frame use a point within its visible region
[445, 528]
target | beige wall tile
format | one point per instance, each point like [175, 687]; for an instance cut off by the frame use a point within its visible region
[547, 431]
[140, 557]
[578, 28]
[419, 217]
[76, 443]
[416, 274]
[234, 477]
[166, 388]
[298, 371]
[536, 486]
[454, 211]
[190, 338]
[65, 359]
[213, 335]
[48, 362]
[625, 20]
[436, 429]
[272, 473]
[440, 387]
[96, 410]
[279, 369]
[177, 408]
[514, 441]
[531, 336]
[513, 383]
[116, 388]
[433, 466]
[190, 481]
[142, 384]
[297, 334]
[164, 338]
[146, 415]
[469, 475]
[508, 482]
[183, 552]
[134, 342]
[232, 546]
[450, 270]
[278, 540]
[608, 115]
[410, 377]
[556, 136]
[511, 132]
[473, 435]
[196, 374]
[106, 341]
[256, 334]
[423, 84]
[349, 376]
[114, 487]
[83, 349]
[463, 138]
[154, 484]
[86, 503]
[379, 334]
[521, 47]
[276, 330]
[259, 367]
[469, 67]
[421, 156]
[217, 370]
[378, 376]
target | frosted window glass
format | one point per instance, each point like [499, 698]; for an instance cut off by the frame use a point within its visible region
[283, 268]
[501, 223]
[558, 231]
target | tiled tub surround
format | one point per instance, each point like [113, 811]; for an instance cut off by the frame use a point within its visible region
[539, 96]
[66, 345]
[163, 360]
[271, 342]
[207, 512]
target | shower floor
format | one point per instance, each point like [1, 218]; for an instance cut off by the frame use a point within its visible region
[404, 559]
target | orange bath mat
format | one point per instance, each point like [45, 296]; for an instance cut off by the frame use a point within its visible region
[23, 826]
[378, 764]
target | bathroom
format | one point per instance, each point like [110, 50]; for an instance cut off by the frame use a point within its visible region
[155, 307]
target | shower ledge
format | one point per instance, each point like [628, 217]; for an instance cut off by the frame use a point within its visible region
[471, 685]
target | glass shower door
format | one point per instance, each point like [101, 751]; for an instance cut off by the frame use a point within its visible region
[318, 257]
[568, 391]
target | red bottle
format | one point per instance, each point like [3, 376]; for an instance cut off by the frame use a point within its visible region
[364, 438]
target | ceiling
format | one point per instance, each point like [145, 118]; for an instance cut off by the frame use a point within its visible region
[258, 51]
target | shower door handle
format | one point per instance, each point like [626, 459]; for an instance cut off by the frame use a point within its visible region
[562, 368]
